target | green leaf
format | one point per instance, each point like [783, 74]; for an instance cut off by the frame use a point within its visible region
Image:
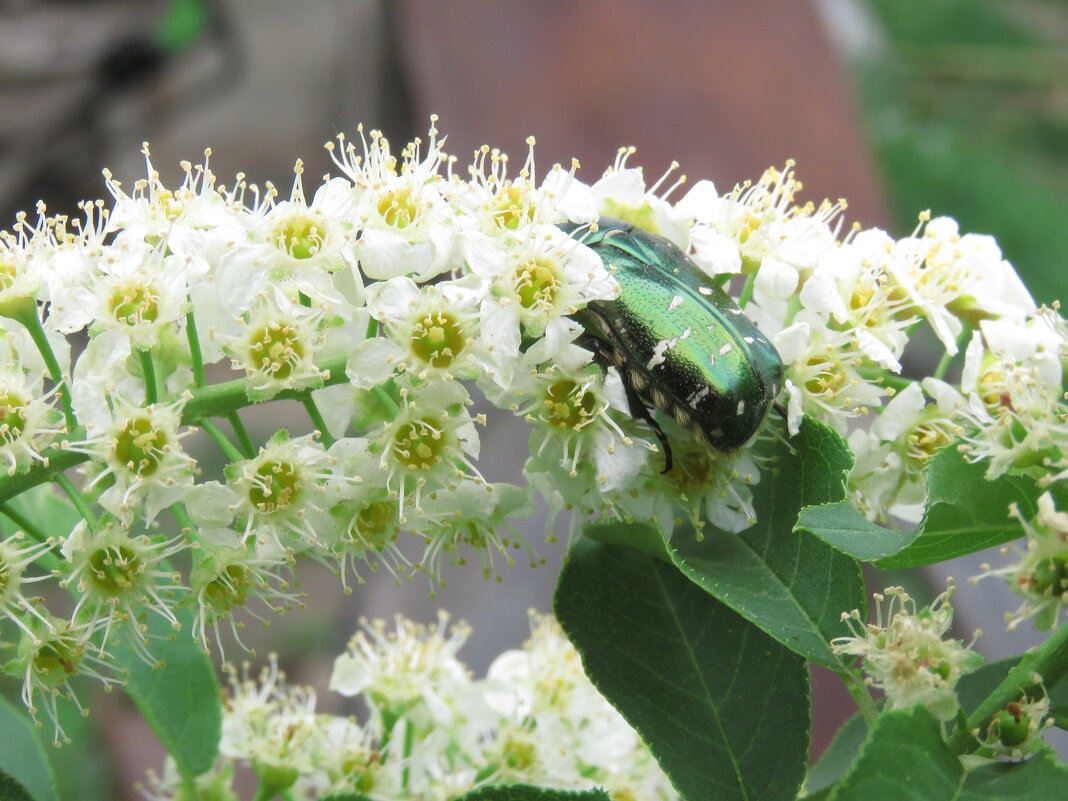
[526, 792]
[346, 797]
[902, 759]
[45, 508]
[180, 700]
[22, 757]
[1038, 779]
[965, 512]
[839, 755]
[843, 527]
[11, 790]
[793, 586]
[716, 700]
[642, 537]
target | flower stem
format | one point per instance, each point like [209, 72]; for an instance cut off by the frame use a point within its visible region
[225, 445]
[1049, 661]
[861, 695]
[214, 400]
[195, 354]
[48, 559]
[40, 339]
[243, 439]
[77, 497]
[317, 420]
[947, 357]
[148, 372]
[747, 290]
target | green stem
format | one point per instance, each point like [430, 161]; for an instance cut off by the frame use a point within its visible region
[48, 559]
[77, 497]
[317, 420]
[861, 695]
[409, 740]
[199, 379]
[23, 523]
[1049, 660]
[243, 439]
[225, 445]
[185, 523]
[264, 792]
[888, 379]
[387, 400]
[215, 400]
[40, 339]
[947, 357]
[148, 372]
[747, 290]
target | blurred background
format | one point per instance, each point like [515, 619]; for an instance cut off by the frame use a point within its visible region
[959, 106]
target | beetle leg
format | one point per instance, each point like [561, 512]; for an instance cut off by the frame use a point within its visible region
[640, 410]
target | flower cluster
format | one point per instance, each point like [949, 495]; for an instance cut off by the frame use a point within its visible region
[403, 289]
[431, 732]
[905, 654]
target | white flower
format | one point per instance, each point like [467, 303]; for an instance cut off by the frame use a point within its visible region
[410, 672]
[405, 225]
[905, 654]
[535, 282]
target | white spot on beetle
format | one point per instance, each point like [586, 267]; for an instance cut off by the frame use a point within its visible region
[675, 303]
[736, 311]
[726, 349]
[704, 290]
[660, 353]
[741, 407]
[748, 340]
[698, 396]
[711, 360]
[685, 334]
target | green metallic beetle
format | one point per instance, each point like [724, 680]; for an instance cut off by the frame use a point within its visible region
[680, 343]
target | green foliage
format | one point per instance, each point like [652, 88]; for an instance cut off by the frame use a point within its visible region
[958, 114]
[180, 700]
[793, 586]
[11, 790]
[840, 754]
[716, 700]
[23, 760]
[1038, 778]
[902, 759]
[965, 513]
[523, 792]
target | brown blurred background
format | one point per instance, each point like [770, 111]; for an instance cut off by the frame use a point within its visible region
[898, 106]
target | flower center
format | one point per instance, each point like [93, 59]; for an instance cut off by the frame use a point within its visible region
[825, 379]
[927, 439]
[276, 349]
[569, 406]
[419, 445]
[536, 284]
[398, 208]
[13, 416]
[114, 570]
[8, 271]
[375, 525]
[134, 304]
[55, 662]
[140, 446]
[230, 589]
[275, 487]
[511, 209]
[437, 339]
[300, 236]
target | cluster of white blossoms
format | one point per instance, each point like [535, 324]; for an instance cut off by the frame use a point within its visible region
[402, 287]
[427, 730]
[905, 654]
